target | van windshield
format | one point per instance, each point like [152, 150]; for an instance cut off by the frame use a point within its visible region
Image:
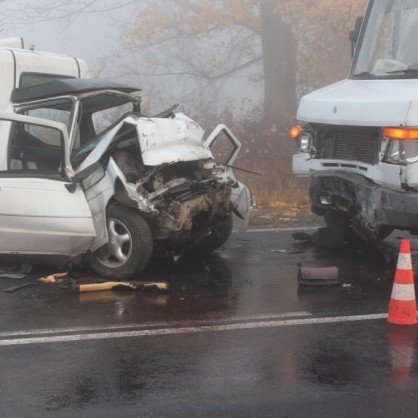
[389, 47]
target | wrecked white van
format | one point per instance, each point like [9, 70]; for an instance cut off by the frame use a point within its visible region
[82, 171]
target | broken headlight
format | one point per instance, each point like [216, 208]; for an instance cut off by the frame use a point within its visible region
[402, 152]
[402, 146]
[305, 139]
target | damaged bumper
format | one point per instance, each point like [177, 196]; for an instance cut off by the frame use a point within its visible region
[373, 205]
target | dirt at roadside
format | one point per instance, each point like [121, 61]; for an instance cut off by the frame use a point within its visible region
[283, 216]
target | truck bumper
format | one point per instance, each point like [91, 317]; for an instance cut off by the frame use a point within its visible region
[373, 205]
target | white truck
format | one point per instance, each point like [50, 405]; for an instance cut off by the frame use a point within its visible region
[358, 138]
[84, 172]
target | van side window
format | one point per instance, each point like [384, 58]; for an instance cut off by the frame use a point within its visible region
[35, 148]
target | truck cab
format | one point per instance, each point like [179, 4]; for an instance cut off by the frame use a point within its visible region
[358, 138]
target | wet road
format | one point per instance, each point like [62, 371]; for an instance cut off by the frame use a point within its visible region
[235, 337]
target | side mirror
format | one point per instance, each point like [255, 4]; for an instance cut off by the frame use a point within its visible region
[355, 33]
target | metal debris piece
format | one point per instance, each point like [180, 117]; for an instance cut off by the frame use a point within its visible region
[12, 275]
[318, 276]
[144, 286]
[18, 287]
[303, 236]
[53, 278]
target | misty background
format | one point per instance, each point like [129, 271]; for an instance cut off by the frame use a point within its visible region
[245, 63]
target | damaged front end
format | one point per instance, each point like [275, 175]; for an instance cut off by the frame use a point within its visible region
[162, 168]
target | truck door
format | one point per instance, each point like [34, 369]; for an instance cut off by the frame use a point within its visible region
[41, 211]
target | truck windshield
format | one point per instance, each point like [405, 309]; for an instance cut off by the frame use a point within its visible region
[388, 47]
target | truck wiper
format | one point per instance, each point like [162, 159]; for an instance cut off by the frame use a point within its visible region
[364, 74]
[405, 71]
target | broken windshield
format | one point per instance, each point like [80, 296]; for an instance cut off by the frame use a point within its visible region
[388, 48]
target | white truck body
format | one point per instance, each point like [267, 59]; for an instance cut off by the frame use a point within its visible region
[358, 141]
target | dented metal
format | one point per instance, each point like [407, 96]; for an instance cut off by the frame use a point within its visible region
[162, 168]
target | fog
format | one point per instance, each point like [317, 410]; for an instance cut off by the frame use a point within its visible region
[245, 63]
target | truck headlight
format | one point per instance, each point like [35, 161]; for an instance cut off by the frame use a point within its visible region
[305, 140]
[402, 152]
[402, 146]
[304, 137]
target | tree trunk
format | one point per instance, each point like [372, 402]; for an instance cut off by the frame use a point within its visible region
[279, 60]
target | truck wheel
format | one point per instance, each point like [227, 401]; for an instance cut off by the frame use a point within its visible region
[130, 245]
[216, 237]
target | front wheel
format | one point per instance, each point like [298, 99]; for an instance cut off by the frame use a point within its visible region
[130, 245]
[216, 237]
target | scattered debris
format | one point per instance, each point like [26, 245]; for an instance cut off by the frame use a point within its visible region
[52, 278]
[11, 275]
[303, 236]
[96, 287]
[18, 287]
[318, 276]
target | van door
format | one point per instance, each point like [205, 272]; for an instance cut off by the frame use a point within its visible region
[41, 210]
[225, 148]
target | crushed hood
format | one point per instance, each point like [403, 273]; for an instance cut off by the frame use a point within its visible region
[170, 140]
[162, 141]
[363, 103]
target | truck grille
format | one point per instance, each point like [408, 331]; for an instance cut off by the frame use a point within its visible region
[348, 143]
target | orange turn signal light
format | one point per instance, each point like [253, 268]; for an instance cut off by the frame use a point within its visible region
[295, 132]
[400, 133]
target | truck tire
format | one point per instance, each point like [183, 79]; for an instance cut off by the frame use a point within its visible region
[130, 245]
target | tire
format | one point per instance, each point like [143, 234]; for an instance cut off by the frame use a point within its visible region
[216, 237]
[130, 245]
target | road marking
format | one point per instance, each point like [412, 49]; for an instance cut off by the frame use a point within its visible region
[310, 228]
[151, 324]
[189, 330]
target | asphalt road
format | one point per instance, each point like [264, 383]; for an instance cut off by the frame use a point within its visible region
[235, 337]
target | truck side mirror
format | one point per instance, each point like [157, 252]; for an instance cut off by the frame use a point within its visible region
[354, 34]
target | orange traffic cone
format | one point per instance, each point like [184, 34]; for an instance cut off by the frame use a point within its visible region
[403, 306]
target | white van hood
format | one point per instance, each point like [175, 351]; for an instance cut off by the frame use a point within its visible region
[162, 141]
[363, 103]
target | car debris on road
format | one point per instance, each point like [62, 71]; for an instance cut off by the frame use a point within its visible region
[97, 287]
[318, 276]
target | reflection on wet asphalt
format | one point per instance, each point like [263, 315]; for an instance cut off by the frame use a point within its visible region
[291, 367]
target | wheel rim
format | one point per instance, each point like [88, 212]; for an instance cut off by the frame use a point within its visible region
[120, 244]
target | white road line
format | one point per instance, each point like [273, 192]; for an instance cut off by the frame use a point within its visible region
[189, 330]
[310, 228]
[150, 324]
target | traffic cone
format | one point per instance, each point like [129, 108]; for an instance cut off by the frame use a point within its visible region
[403, 305]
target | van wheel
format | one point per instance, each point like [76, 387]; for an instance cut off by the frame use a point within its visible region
[130, 245]
[216, 237]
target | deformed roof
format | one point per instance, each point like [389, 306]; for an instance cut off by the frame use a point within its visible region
[66, 86]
